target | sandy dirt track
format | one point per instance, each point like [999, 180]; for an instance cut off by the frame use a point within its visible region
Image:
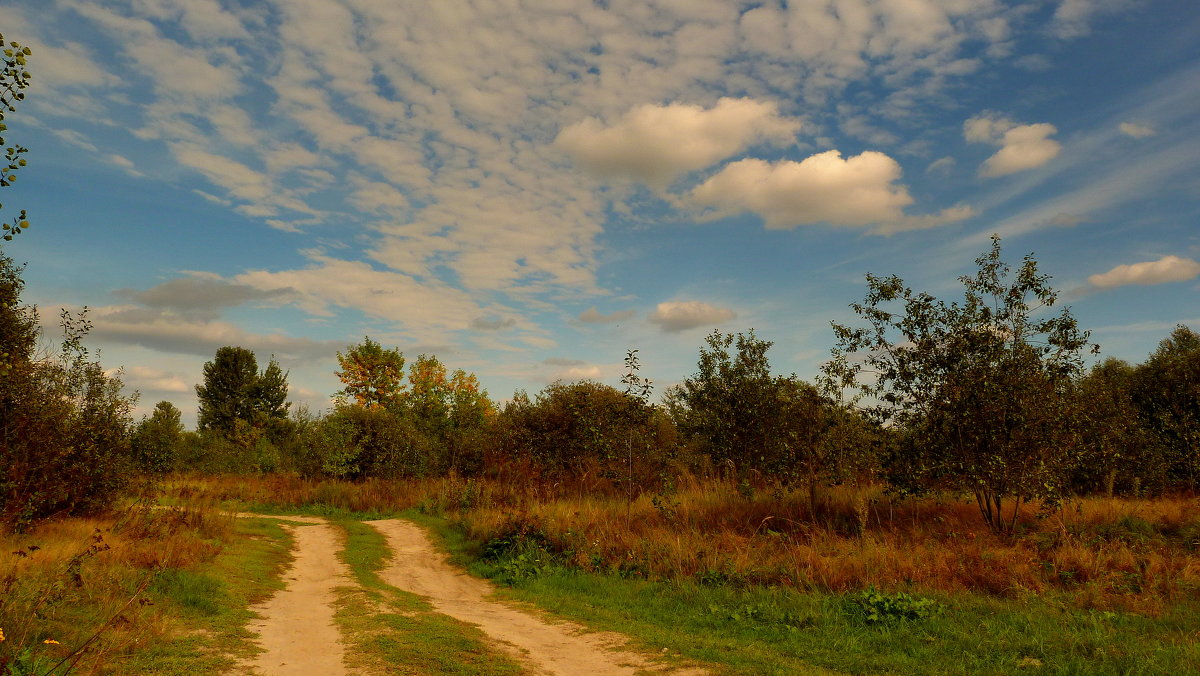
[559, 648]
[296, 629]
[298, 636]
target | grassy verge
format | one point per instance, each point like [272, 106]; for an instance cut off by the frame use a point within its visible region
[210, 606]
[386, 627]
[754, 629]
[136, 591]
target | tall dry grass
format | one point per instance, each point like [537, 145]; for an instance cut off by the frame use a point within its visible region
[1140, 555]
[75, 592]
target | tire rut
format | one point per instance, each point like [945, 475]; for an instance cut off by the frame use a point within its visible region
[559, 648]
[295, 628]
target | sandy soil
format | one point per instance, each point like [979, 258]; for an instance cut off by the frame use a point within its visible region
[559, 648]
[296, 628]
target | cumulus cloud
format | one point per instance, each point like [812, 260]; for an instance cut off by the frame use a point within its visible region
[674, 316]
[823, 188]
[1164, 270]
[593, 316]
[1135, 130]
[655, 144]
[1022, 146]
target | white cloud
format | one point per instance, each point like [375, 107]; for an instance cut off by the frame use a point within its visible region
[1135, 130]
[676, 316]
[1164, 270]
[1021, 146]
[942, 165]
[823, 188]
[655, 144]
[948, 215]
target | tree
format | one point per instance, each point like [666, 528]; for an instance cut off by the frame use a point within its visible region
[13, 80]
[979, 389]
[429, 395]
[156, 440]
[234, 391]
[575, 430]
[743, 415]
[728, 400]
[373, 377]
[1167, 392]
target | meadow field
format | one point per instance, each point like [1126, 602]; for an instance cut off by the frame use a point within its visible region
[736, 580]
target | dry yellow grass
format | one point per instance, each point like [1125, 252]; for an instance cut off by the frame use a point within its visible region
[76, 588]
[1135, 554]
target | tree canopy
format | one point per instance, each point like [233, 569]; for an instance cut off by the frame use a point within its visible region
[234, 390]
[373, 377]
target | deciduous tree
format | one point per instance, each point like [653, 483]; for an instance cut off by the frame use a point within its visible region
[979, 387]
[156, 439]
[373, 377]
[1167, 391]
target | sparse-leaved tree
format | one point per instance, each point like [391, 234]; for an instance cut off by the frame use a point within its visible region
[978, 387]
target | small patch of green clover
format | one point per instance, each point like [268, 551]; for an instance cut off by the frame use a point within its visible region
[874, 607]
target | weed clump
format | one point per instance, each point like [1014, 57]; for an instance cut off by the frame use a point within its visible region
[874, 607]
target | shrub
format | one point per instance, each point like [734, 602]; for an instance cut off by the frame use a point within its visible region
[64, 437]
[355, 442]
[585, 428]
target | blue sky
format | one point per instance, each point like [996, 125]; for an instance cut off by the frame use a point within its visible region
[529, 189]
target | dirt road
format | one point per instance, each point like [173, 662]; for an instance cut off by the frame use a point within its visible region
[298, 636]
[296, 629]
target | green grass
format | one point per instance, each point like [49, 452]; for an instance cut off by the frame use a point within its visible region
[757, 630]
[385, 626]
[210, 607]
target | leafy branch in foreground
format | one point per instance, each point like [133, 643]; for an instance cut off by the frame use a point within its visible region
[13, 79]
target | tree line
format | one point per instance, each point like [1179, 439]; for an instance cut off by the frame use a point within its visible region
[986, 396]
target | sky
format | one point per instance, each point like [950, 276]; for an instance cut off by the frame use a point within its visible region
[528, 189]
